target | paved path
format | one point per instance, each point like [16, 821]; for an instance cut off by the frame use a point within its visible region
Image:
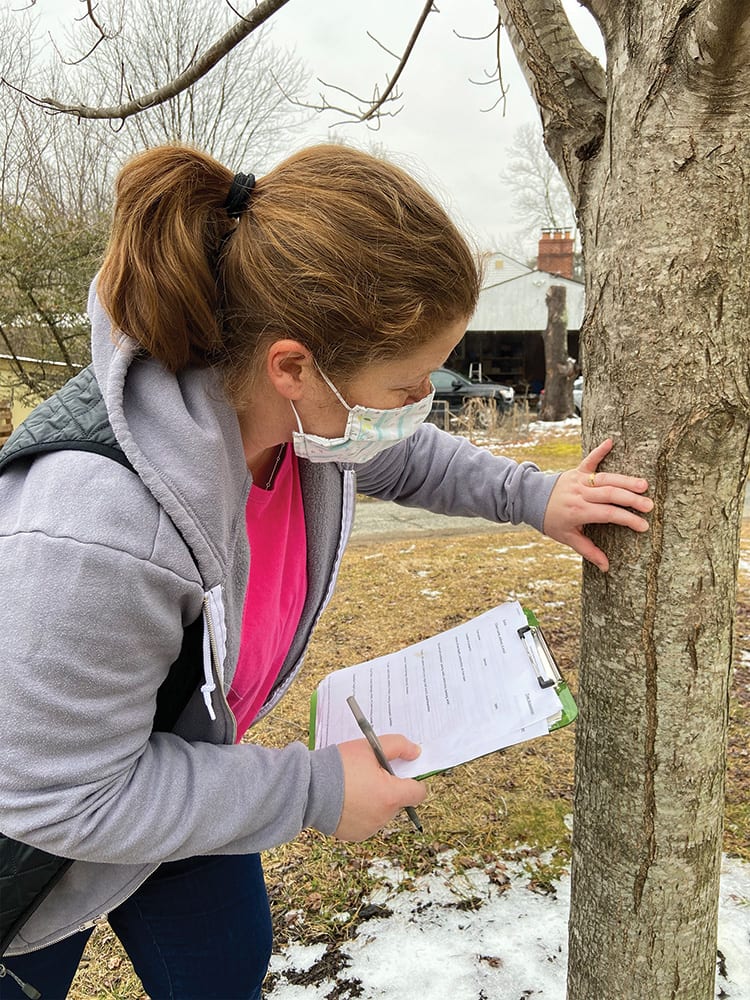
[377, 519]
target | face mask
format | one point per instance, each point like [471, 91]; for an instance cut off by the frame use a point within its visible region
[368, 431]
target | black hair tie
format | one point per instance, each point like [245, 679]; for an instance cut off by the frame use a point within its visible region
[239, 194]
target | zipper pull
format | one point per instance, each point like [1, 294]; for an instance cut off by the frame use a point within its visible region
[27, 989]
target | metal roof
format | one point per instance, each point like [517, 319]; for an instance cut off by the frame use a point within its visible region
[519, 304]
[500, 267]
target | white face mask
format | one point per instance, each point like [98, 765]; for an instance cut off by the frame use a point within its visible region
[368, 431]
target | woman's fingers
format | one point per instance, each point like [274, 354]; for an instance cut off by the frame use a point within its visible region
[597, 480]
[611, 480]
[372, 796]
[618, 496]
[584, 496]
[594, 457]
[590, 552]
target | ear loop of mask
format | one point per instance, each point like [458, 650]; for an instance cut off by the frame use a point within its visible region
[333, 389]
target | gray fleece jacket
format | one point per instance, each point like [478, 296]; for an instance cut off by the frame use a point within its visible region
[101, 571]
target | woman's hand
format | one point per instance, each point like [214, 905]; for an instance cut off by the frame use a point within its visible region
[584, 496]
[372, 796]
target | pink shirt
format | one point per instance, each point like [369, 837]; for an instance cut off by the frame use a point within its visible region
[276, 589]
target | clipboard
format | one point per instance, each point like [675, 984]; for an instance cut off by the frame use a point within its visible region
[546, 669]
[381, 684]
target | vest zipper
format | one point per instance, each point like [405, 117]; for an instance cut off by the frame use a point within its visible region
[26, 988]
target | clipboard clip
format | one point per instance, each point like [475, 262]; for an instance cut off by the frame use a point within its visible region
[540, 656]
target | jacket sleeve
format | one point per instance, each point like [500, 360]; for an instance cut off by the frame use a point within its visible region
[91, 615]
[449, 475]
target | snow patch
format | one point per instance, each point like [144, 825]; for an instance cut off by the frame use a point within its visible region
[485, 933]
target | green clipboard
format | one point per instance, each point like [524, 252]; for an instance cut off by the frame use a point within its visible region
[552, 671]
[536, 641]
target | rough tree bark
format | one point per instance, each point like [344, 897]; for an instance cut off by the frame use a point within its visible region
[656, 156]
[559, 368]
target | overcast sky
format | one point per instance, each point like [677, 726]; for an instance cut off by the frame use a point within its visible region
[443, 133]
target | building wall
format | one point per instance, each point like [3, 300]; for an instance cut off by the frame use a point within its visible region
[10, 396]
[508, 357]
[6, 425]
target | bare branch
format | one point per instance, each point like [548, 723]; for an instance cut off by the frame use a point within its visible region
[91, 17]
[474, 38]
[370, 109]
[383, 47]
[503, 98]
[568, 83]
[497, 74]
[373, 111]
[491, 78]
[102, 36]
[213, 55]
[11, 350]
[325, 105]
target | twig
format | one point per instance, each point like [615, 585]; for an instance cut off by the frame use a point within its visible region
[496, 76]
[370, 109]
[213, 55]
[375, 108]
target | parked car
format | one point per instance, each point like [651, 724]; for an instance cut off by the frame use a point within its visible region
[457, 390]
[578, 395]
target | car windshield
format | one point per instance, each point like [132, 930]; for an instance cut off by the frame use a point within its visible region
[444, 379]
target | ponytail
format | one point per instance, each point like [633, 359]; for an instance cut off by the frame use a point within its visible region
[336, 249]
[158, 281]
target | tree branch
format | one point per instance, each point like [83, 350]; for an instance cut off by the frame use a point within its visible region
[50, 322]
[369, 108]
[377, 104]
[602, 12]
[12, 351]
[703, 43]
[567, 82]
[718, 40]
[213, 55]
[496, 76]
[102, 36]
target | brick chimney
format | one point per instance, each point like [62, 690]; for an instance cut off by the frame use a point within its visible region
[556, 252]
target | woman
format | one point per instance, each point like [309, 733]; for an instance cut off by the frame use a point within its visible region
[259, 352]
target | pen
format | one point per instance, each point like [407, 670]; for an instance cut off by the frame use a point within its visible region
[372, 739]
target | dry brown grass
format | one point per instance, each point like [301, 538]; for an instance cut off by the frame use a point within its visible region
[394, 593]
[483, 419]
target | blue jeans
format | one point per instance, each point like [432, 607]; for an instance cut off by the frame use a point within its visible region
[198, 929]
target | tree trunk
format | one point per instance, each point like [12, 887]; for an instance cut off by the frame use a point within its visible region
[665, 219]
[559, 368]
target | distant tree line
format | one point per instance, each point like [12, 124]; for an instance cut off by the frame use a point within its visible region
[57, 172]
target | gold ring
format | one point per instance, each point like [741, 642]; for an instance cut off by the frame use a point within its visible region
[592, 479]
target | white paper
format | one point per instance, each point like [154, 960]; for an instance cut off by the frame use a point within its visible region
[460, 694]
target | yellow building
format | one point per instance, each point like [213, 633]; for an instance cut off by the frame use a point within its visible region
[10, 393]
